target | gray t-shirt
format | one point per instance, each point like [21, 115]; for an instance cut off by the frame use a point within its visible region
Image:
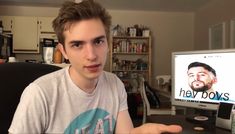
[54, 104]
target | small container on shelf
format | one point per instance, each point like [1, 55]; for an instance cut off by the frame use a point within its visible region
[11, 59]
[131, 57]
[57, 56]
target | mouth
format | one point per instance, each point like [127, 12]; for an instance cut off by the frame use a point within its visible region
[93, 68]
[197, 83]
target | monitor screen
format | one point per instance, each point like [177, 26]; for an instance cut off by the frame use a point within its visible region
[201, 79]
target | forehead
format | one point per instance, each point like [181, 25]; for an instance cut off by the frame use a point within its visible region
[84, 29]
[197, 70]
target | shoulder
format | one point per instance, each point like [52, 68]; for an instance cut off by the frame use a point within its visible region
[47, 85]
[111, 81]
[110, 77]
[51, 82]
[54, 76]
[109, 74]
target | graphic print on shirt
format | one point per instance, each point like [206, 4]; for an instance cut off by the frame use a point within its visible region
[95, 121]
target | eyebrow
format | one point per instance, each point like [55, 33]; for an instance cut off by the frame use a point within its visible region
[197, 73]
[190, 74]
[98, 38]
[92, 40]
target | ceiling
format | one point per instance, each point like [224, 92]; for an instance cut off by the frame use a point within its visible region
[149, 5]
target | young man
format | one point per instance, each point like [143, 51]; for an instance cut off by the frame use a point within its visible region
[81, 98]
[201, 77]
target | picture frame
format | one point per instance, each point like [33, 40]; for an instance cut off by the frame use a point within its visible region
[217, 36]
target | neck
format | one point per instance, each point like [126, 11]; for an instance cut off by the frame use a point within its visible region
[87, 85]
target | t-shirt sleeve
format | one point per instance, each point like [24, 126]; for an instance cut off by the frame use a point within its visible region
[30, 113]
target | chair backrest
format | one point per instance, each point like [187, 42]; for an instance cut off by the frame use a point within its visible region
[14, 77]
[152, 96]
[143, 94]
[149, 95]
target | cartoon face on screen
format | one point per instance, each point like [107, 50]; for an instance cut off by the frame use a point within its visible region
[201, 77]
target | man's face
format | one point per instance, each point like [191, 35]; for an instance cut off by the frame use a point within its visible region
[200, 79]
[86, 48]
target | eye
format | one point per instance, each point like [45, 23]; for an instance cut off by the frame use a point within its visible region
[202, 74]
[99, 41]
[191, 75]
[77, 44]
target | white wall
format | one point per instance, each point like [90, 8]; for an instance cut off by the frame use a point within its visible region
[217, 11]
[170, 31]
[29, 11]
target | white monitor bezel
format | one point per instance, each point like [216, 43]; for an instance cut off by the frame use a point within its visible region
[194, 104]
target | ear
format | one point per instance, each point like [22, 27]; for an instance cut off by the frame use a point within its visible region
[213, 77]
[62, 50]
[214, 80]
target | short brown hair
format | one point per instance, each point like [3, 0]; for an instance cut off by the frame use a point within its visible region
[72, 12]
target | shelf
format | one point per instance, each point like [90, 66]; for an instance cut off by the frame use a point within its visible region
[130, 58]
[129, 37]
[130, 53]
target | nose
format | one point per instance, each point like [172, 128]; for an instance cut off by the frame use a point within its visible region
[197, 77]
[90, 52]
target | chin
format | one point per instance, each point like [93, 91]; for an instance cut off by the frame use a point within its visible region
[95, 75]
[202, 89]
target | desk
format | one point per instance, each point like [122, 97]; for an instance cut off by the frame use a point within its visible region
[187, 126]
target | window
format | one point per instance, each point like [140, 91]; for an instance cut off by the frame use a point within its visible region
[232, 33]
[217, 36]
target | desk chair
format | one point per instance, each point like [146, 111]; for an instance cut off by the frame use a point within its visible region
[162, 82]
[147, 109]
[14, 77]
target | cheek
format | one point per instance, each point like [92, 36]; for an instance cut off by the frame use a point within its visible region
[205, 80]
[75, 55]
[104, 52]
[191, 79]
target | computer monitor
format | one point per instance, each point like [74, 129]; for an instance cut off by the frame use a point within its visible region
[202, 79]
